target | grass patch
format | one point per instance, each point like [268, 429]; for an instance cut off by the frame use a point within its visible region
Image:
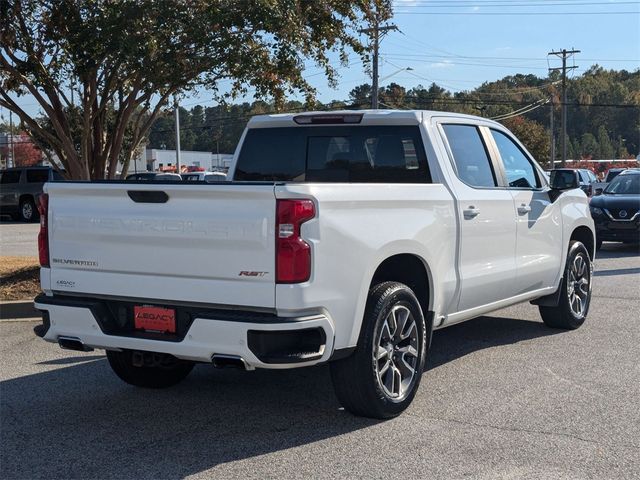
[19, 278]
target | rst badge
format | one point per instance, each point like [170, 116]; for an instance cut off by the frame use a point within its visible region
[246, 273]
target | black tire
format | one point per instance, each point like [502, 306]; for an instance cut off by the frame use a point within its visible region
[566, 316]
[28, 211]
[356, 379]
[168, 372]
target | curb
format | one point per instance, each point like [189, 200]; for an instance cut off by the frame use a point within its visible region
[17, 310]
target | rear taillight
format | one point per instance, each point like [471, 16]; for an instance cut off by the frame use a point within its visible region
[293, 254]
[43, 235]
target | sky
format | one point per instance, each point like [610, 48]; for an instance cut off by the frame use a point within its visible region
[459, 44]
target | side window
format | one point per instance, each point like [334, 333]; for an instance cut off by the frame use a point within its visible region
[518, 168]
[57, 176]
[10, 176]
[37, 176]
[470, 156]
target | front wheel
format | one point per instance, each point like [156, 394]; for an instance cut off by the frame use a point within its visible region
[147, 369]
[575, 296]
[380, 379]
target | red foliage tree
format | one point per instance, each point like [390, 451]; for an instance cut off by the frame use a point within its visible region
[26, 154]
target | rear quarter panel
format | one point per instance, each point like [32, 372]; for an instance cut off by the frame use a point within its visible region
[357, 227]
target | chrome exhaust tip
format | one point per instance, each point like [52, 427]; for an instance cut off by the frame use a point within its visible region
[73, 343]
[229, 361]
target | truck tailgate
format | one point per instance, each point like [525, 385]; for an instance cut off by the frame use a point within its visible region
[210, 244]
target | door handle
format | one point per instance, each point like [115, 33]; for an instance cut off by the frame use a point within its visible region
[471, 212]
[524, 209]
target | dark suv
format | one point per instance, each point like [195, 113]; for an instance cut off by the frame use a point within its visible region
[20, 188]
[616, 211]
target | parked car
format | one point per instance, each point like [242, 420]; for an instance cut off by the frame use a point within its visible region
[343, 237]
[611, 174]
[208, 177]
[154, 177]
[616, 212]
[20, 189]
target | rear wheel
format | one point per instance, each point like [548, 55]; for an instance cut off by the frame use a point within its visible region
[382, 376]
[147, 369]
[575, 296]
[28, 210]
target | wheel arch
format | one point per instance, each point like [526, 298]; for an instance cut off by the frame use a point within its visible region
[410, 269]
[27, 196]
[404, 267]
[586, 236]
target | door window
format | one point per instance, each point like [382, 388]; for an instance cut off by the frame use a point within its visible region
[518, 168]
[470, 155]
[10, 176]
[37, 176]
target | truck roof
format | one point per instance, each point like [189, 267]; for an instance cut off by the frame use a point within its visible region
[369, 117]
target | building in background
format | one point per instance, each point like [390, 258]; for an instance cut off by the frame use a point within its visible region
[165, 160]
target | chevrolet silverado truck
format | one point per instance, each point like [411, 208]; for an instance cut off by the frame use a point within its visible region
[343, 237]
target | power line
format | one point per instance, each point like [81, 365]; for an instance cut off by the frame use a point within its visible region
[474, 57]
[517, 13]
[493, 4]
[522, 111]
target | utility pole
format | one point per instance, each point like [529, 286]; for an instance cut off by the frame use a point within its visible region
[482, 109]
[553, 137]
[177, 115]
[564, 54]
[376, 32]
[10, 137]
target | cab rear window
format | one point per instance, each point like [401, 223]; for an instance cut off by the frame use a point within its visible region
[359, 154]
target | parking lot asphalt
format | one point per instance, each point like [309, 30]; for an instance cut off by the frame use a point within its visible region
[18, 239]
[504, 397]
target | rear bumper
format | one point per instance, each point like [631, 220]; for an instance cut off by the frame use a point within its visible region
[276, 343]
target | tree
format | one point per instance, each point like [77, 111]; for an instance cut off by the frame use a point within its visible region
[25, 153]
[131, 57]
[588, 146]
[360, 96]
[605, 147]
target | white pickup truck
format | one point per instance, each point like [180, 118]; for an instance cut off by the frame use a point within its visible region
[343, 237]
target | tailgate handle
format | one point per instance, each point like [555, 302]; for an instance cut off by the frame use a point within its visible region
[148, 196]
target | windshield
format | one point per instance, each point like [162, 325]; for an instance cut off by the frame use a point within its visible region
[624, 185]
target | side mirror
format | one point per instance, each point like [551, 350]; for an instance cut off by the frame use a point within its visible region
[598, 191]
[564, 179]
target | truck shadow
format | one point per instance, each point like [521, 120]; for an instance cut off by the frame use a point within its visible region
[79, 420]
[459, 340]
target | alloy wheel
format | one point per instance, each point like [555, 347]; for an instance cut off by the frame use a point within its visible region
[396, 353]
[578, 285]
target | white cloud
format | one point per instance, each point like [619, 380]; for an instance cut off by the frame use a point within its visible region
[443, 64]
